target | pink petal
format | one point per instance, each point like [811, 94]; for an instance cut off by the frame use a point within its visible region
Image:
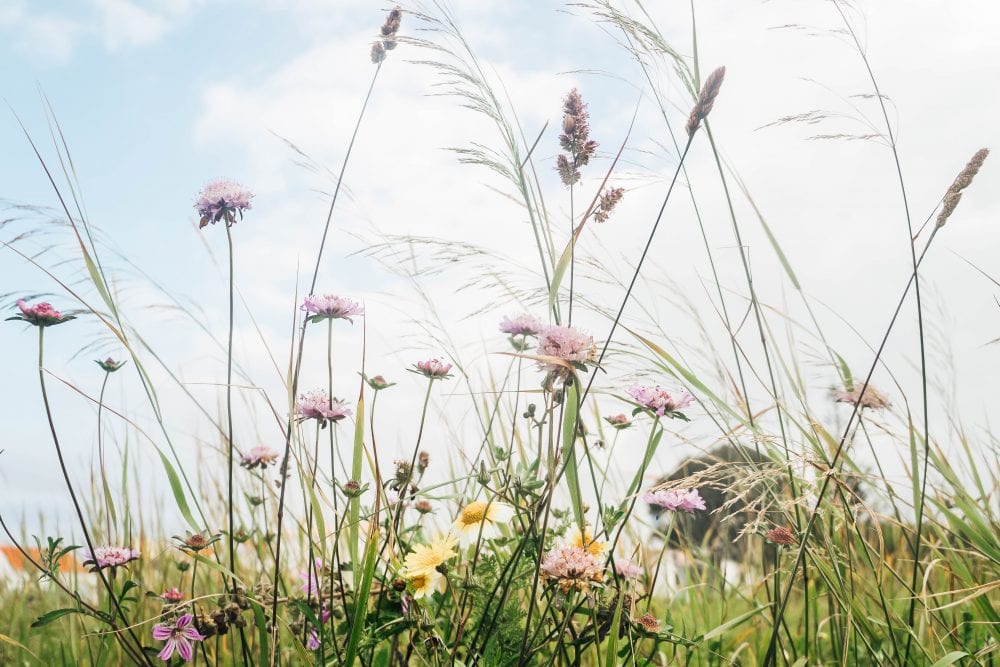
[161, 633]
[184, 621]
[168, 650]
[185, 648]
[191, 633]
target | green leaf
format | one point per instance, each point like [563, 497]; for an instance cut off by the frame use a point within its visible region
[178, 491]
[361, 601]
[53, 615]
[950, 659]
[569, 451]
[616, 621]
[355, 520]
[729, 625]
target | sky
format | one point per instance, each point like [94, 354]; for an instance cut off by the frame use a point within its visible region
[155, 98]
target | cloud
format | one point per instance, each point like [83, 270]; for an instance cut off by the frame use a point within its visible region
[47, 36]
[124, 24]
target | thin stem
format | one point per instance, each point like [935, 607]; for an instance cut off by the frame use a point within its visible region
[100, 454]
[229, 412]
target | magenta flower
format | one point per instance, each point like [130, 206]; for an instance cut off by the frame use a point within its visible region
[317, 405]
[41, 314]
[330, 306]
[521, 325]
[311, 584]
[222, 200]
[676, 500]
[312, 643]
[627, 568]
[172, 595]
[620, 422]
[259, 457]
[435, 369]
[659, 401]
[566, 343]
[179, 636]
[102, 557]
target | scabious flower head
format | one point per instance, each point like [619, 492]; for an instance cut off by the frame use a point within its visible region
[566, 343]
[425, 559]
[872, 398]
[435, 369]
[572, 567]
[172, 595]
[480, 514]
[331, 306]
[521, 325]
[585, 540]
[109, 365]
[780, 535]
[423, 460]
[222, 200]
[179, 636]
[676, 500]
[317, 405]
[104, 557]
[377, 382]
[260, 456]
[627, 568]
[40, 314]
[607, 202]
[659, 401]
[195, 542]
[619, 422]
[423, 506]
[648, 622]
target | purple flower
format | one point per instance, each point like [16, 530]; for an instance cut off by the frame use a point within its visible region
[222, 199]
[41, 314]
[317, 405]
[435, 369]
[676, 500]
[259, 457]
[566, 343]
[331, 306]
[659, 401]
[109, 365]
[179, 636]
[312, 643]
[627, 568]
[102, 557]
[521, 325]
[573, 567]
[620, 422]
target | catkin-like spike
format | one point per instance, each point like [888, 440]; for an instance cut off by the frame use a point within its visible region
[962, 181]
[706, 100]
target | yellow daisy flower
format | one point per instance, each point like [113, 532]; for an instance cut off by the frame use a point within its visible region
[585, 540]
[480, 513]
[425, 558]
[425, 584]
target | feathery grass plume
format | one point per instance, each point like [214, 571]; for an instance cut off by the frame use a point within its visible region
[962, 181]
[706, 100]
[609, 199]
[388, 36]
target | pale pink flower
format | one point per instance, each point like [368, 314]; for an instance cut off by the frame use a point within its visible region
[179, 636]
[573, 567]
[260, 456]
[872, 398]
[521, 325]
[317, 405]
[331, 306]
[627, 568]
[676, 500]
[312, 585]
[620, 422]
[649, 623]
[659, 401]
[566, 343]
[102, 557]
[172, 595]
[222, 200]
[313, 643]
[435, 369]
[40, 314]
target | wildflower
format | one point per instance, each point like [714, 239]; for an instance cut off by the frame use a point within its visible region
[113, 557]
[572, 567]
[377, 382]
[706, 100]
[109, 365]
[566, 343]
[172, 595]
[627, 568]
[423, 506]
[317, 405]
[521, 325]
[585, 540]
[648, 622]
[620, 422]
[780, 535]
[260, 456]
[332, 307]
[423, 460]
[425, 583]
[313, 643]
[353, 489]
[676, 500]
[661, 402]
[222, 200]
[575, 138]
[425, 559]
[607, 202]
[196, 542]
[435, 369]
[312, 584]
[872, 398]
[179, 637]
[41, 314]
[480, 514]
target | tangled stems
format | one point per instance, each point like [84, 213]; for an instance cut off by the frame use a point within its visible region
[655, 433]
[76, 503]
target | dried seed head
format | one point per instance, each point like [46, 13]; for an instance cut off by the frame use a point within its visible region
[951, 200]
[962, 181]
[378, 53]
[706, 100]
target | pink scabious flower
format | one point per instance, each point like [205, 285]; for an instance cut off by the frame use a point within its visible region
[260, 456]
[180, 637]
[659, 401]
[627, 568]
[317, 405]
[566, 343]
[172, 595]
[871, 398]
[40, 314]
[521, 325]
[620, 422]
[311, 584]
[331, 306]
[102, 557]
[222, 200]
[434, 369]
[676, 500]
[109, 365]
[573, 567]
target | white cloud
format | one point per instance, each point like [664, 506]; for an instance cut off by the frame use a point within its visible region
[123, 24]
[48, 36]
